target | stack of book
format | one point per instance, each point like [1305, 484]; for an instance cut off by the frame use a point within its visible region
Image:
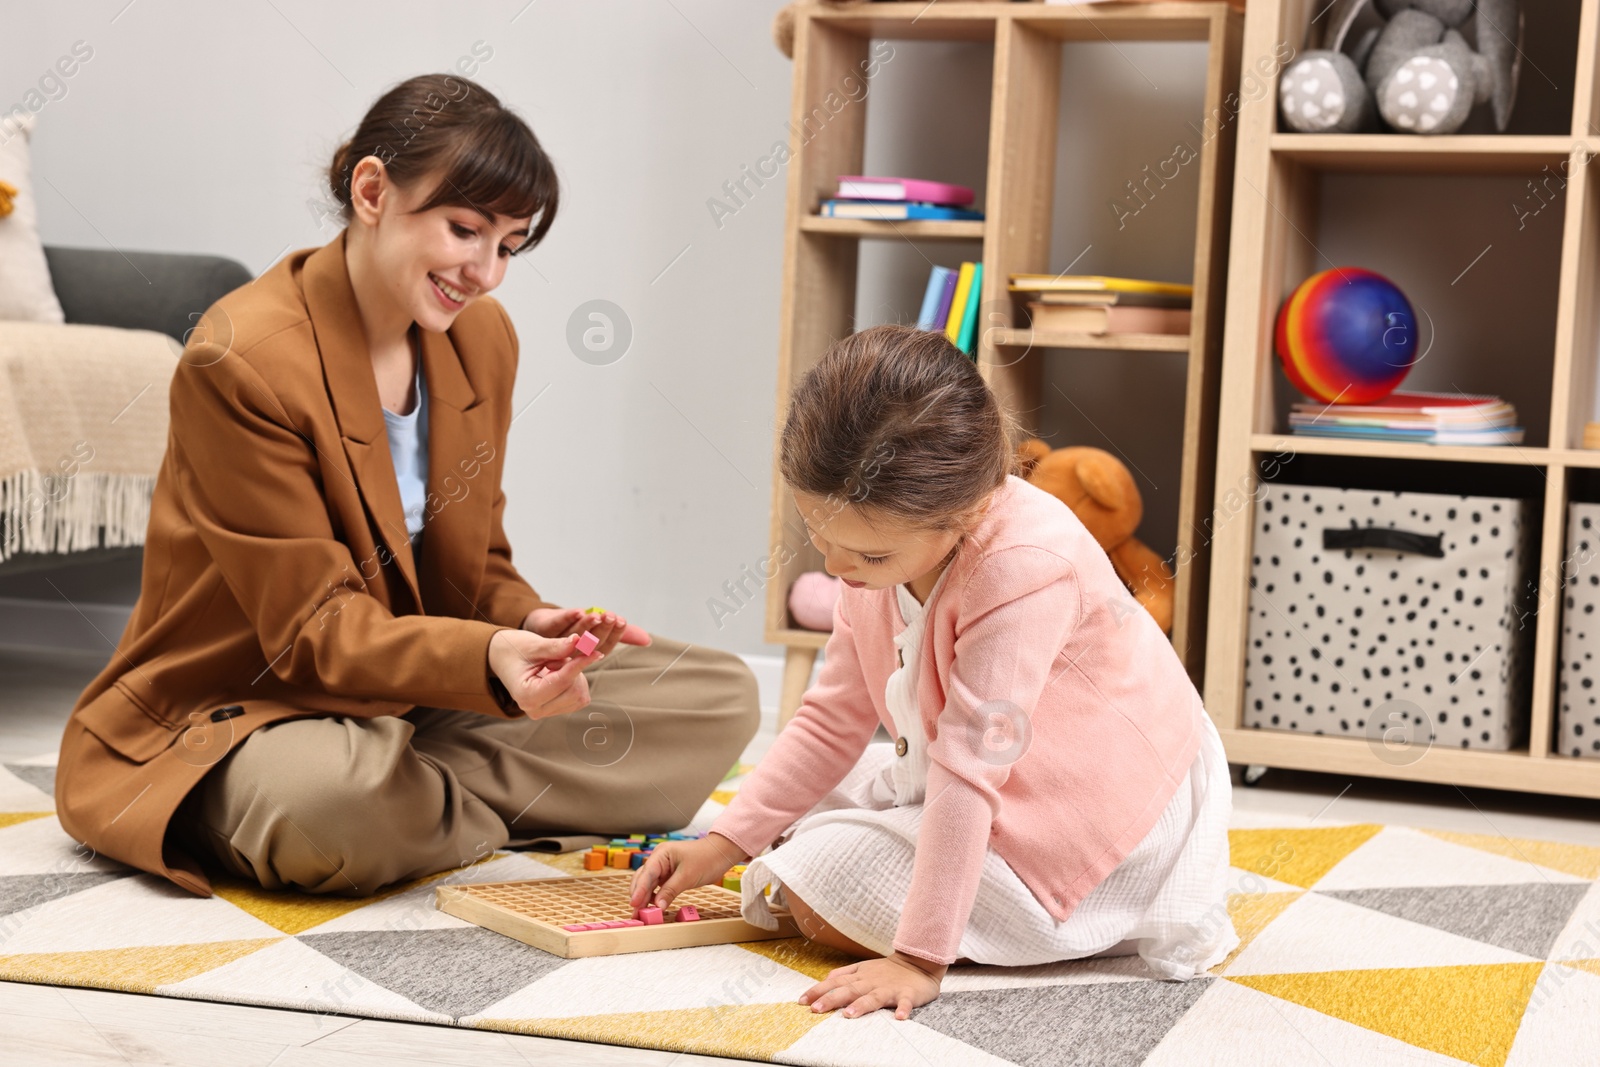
[896, 199]
[1097, 304]
[950, 303]
[1428, 418]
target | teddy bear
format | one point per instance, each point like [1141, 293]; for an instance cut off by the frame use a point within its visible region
[1406, 61]
[1102, 494]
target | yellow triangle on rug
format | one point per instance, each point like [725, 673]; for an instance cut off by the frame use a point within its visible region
[134, 970]
[1580, 860]
[1298, 856]
[745, 1031]
[1470, 1012]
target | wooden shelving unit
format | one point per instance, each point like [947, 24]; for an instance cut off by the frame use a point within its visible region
[820, 255]
[1275, 220]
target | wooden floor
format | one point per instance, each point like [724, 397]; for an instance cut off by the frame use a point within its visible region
[55, 1025]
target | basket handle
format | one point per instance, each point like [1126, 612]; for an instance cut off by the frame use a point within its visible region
[1350, 537]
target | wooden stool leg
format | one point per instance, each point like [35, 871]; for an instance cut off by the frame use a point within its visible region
[796, 675]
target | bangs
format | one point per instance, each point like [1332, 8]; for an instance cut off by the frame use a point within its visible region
[498, 167]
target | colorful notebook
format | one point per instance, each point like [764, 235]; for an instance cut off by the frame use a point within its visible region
[866, 187]
[969, 320]
[941, 285]
[893, 211]
[958, 303]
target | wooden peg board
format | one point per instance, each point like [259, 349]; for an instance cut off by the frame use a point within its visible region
[534, 913]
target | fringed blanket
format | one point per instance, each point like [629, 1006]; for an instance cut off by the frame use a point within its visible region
[83, 427]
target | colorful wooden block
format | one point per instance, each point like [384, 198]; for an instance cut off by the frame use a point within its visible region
[636, 861]
[587, 644]
[650, 916]
[686, 914]
[594, 861]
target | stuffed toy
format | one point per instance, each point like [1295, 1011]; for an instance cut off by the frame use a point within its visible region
[1102, 494]
[1409, 62]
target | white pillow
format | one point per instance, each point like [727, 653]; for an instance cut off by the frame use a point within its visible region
[25, 291]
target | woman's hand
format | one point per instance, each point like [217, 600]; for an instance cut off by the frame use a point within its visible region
[608, 626]
[517, 657]
[676, 866]
[897, 981]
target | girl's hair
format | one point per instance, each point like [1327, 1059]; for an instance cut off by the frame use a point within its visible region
[899, 423]
[489, 159]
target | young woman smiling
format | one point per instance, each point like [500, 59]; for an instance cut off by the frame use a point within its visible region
[334, 678]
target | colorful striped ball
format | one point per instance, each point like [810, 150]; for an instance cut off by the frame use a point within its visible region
[1346, 336]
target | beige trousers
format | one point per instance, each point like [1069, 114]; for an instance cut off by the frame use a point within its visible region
[345, 805]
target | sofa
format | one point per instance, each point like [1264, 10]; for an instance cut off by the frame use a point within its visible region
[83, 404]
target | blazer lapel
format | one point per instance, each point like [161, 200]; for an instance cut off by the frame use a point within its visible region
[347, 368]
[460, 499]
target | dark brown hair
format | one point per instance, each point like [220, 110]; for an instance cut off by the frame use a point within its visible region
[489, 159]
[897, 422]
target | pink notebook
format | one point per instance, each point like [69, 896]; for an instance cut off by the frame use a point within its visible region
[866, 187]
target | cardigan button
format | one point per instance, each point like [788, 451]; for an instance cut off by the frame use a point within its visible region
[900, 746]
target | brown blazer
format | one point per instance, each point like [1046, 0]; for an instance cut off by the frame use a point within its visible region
[278, 579]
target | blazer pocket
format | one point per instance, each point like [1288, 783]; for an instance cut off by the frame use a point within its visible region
[118, 719]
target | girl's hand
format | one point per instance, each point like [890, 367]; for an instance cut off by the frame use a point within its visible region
[543, 675]
[608, 626]
[897, 981]
[675, 866]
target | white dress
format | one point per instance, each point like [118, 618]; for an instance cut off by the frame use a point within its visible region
[850, 859]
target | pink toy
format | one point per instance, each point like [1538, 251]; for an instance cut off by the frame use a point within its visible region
[811, 600]
[650, 916]
[687, 914]
[587, 643]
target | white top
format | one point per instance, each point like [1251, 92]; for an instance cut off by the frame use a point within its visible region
[905, 781]
[408, 447]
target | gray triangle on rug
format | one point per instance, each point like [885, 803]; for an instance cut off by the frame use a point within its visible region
[41, 777]
[1093, 1024]
[1524, 917]
[455, 972]
[19, 892]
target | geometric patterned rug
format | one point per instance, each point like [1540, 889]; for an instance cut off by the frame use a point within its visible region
[1360, 944]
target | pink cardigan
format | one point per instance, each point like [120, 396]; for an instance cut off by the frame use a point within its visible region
[1033, 614]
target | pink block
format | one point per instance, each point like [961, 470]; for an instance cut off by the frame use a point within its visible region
[576, 926]
[632, 922]
[587, 643]
[614, 923]
[651, 916]
[687, 914]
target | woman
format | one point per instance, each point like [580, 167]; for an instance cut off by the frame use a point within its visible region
[334, 678]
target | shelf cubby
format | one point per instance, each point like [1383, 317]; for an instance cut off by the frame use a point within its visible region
[829, 264]
[1527, 329]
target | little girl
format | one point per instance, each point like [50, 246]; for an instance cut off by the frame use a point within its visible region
[1055, 789]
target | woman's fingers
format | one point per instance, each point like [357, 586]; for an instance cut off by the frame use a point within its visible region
[561, 691]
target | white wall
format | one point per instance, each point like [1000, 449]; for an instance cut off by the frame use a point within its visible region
[643, 485]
